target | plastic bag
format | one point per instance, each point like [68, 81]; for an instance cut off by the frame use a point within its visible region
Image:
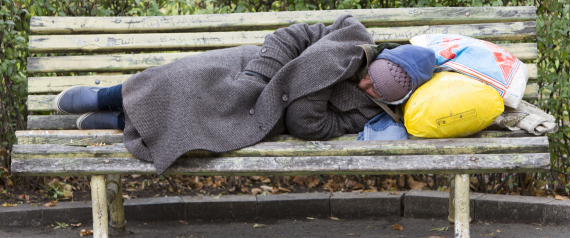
[480, 60]
[451, 105]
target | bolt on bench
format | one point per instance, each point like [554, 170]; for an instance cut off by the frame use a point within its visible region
[112, 47]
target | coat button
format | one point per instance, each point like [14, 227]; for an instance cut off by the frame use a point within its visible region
[251, 111]
[285, 97]
[263, 50]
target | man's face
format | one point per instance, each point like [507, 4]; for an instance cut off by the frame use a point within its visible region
[367, 86]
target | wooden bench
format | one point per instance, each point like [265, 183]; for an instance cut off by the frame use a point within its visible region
[110, 49]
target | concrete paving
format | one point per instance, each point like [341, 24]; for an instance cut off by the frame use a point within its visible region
[323, 227]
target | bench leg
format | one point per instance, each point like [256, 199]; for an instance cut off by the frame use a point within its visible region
[115, 200]
[461, 205]
[99, 200]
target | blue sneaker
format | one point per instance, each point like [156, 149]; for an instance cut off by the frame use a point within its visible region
[77, 100]
[101, 120]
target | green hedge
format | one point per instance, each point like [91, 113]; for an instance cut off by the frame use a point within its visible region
[553, 45]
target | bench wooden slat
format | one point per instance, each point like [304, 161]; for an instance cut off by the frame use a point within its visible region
[302, 165]
[316, 148]
[128, 62]
[212, 40]
[45, 102]
[108, 137]
[273, 20]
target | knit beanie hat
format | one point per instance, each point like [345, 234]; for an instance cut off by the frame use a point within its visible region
[390, 80]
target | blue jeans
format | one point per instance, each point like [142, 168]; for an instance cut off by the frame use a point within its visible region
[383, 127]
[110, 98]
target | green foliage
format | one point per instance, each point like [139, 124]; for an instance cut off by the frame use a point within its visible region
[14, 23]
[553, 34]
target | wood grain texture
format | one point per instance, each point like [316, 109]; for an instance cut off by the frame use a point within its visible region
[313, 148]
[45, 102]
[128, 62]
[273, 20]
[108, 137]
[214, 40]
[52, 122]
[303, 165]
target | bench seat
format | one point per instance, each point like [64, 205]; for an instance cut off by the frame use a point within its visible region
[105, 51]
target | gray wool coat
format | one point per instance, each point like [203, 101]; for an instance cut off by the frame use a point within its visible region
[206, 102]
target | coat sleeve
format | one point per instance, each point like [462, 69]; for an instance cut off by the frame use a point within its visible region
[311, 118]
[286, 44]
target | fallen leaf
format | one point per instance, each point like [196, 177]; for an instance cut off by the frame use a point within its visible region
[350, 234]
[540, 229]
[135, 175]
[394, 193]
[24, 197]
[436, 236]
[335, 218]
[281, 189]
[256, 225]
[368, 227]
[498, 231]
[183, 222]
[266, 188]
[84, 232]
[398, 227]
[415, 184]
[311, 218]
[9, 204]
[75, 225]
[51, 204]
[562, 198]
[256, 191]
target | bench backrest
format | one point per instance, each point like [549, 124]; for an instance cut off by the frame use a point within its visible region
[105, 51]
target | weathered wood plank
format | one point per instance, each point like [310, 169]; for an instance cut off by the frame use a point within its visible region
[108, 137]
[214, 40]
[451, 146]
[273, 20]
[128, 62]
[70, 137]
[104, 63]
[45, 102]
[304, 165]
[52, 122]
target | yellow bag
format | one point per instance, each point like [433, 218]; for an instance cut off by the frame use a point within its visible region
[451, 105]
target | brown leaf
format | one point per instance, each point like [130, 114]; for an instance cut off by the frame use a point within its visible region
[394, 193]
[9, 205]
[84, 232]
[75, 225]
[311, 218]
[416, 185]
[183, 222]
[335, 218]
[135, 175]
[281, 189]
[398, 227]
[24, 197]
[357, 186]
[51, 204]
[562, 198]
[256, 191]
[350, 234]
[266, 188]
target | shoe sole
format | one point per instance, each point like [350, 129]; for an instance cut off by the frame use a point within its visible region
[81, 118]
[58, 98]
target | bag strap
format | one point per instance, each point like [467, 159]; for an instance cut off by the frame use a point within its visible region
[396, 114]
